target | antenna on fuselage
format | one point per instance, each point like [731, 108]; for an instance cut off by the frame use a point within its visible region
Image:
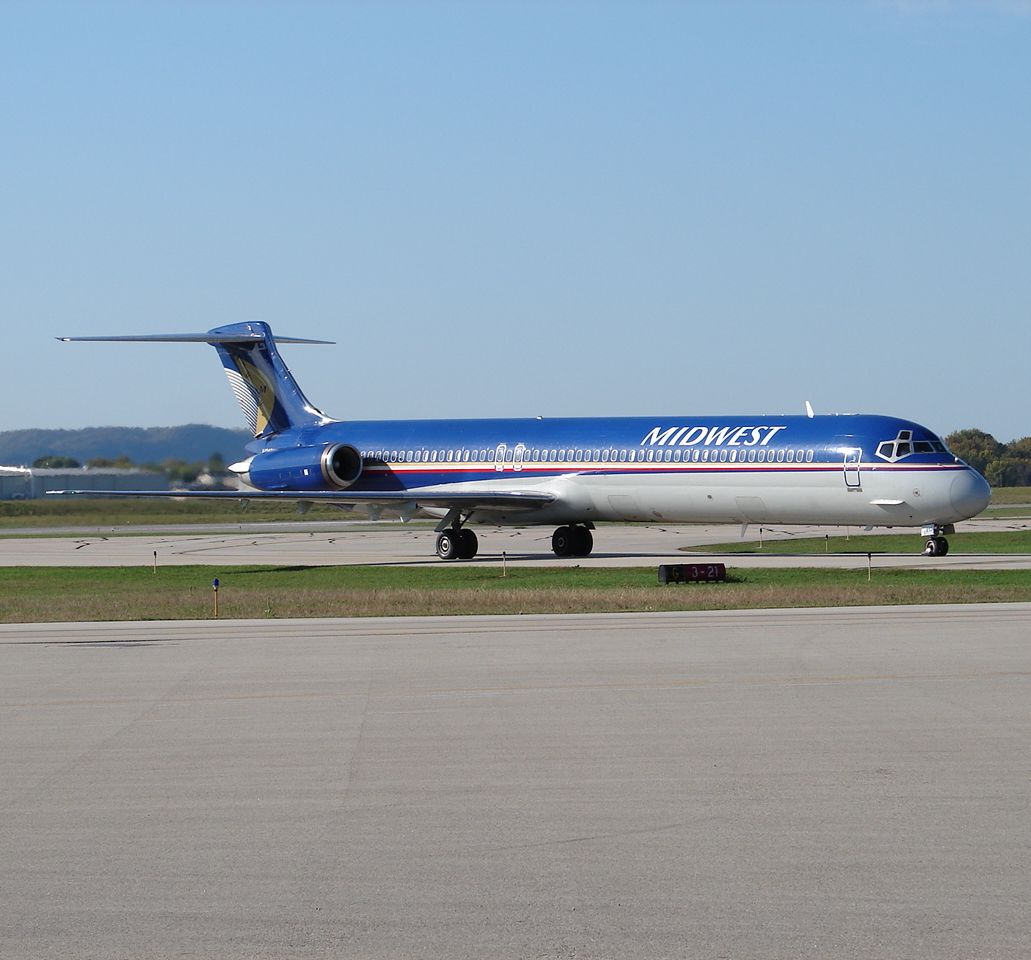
[809, 410]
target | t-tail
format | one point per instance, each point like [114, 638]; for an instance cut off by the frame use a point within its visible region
[270, 398]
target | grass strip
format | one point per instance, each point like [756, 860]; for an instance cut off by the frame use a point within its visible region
[1008, 542]
[51, 594]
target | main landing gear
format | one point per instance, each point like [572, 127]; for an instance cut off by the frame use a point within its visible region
[936, 545]
[572, 541]
[457, 543]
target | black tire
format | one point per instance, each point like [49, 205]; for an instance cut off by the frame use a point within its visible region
[447, 546]
[583, 542]
[467, 544]
[563, 542]
[943, 547]
[931, 547]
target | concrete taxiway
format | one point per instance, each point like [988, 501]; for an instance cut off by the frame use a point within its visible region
[793, 783]
[393, 543]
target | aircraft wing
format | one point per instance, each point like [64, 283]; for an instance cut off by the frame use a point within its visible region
[507, 500]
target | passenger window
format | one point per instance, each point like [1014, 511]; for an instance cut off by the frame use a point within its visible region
[751, 455]
[676, 456]
[723, 455]
[651, 456]
[780, 456]
[622, 456]
[791, 456]
[809, 456]
[733, 456]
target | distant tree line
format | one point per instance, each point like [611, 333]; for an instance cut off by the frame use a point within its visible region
[1001, 464]
[178, 471]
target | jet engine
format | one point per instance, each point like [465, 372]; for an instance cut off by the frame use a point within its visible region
[335, 466]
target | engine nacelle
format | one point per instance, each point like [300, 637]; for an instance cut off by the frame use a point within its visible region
[333, 467]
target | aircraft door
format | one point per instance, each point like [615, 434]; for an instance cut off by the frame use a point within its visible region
[851, 466]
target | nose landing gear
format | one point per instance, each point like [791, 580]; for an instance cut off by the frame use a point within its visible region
[936, 545]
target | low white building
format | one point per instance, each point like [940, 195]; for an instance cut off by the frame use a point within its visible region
[29, 483]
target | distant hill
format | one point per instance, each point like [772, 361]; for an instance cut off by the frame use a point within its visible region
[192, 442]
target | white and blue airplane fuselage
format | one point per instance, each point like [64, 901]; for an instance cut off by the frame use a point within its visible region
[863, 470]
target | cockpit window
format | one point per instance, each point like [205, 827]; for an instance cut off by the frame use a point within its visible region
[904, 445]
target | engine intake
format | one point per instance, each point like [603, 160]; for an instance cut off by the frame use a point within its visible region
[335, 466]
[341, 464]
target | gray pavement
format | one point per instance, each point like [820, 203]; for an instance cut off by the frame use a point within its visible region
[774, 784]
[394, 543]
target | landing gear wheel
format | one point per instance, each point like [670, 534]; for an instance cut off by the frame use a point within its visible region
[936, 547]
[572, 541]
[467, 544]
[563, 541]
[447, 546]
[583, 542]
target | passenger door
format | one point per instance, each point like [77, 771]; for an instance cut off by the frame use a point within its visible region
[851, 467]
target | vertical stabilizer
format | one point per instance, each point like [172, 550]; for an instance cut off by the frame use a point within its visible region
[267, 393]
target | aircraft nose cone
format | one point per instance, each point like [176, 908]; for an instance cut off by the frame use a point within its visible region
[970, 493]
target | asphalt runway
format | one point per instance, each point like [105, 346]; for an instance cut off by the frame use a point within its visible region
[760, 784]
[394, 544]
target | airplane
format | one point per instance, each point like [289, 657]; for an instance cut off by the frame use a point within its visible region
[854, 469]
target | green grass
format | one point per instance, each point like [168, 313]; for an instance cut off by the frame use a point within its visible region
[1004, 495]
[33, 594]
[1010, 541]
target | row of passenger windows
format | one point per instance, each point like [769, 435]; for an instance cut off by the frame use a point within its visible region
[555, 455]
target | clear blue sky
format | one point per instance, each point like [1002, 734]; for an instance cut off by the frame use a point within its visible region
[506, 209]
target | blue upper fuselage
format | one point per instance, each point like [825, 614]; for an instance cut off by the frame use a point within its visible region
[408, 453]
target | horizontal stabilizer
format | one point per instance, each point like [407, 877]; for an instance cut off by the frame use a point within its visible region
[210, 337]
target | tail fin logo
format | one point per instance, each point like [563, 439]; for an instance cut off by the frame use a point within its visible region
[254, 393]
